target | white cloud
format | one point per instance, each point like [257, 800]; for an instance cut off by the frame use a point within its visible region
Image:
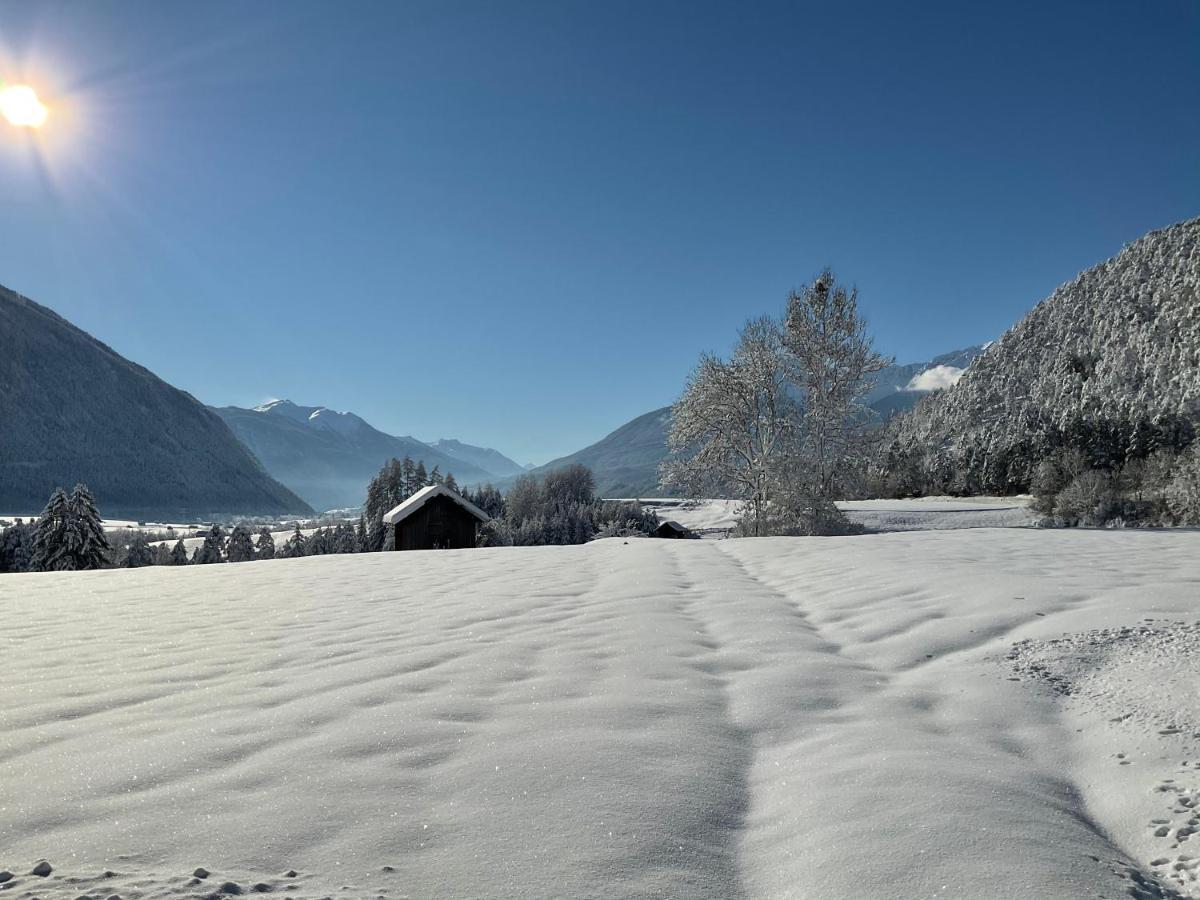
[935, 379]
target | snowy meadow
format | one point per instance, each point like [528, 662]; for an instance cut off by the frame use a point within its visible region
[963, 713]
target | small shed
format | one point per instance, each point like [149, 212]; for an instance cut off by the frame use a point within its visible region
[671, 529]
[435, 518]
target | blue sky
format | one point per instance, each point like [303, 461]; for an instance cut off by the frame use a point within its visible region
[520, 223]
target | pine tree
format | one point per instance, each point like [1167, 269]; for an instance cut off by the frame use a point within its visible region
[212, 550]
[360, 535]
[138, 552]
[92, 549]
[264, 547]
[420, 478]
[435, 477]
[179, 555]
[451, 483]
[295, 546]
[50, 553]
[240, 548]
[408, 471]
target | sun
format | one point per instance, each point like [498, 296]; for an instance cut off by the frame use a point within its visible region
[19, 104]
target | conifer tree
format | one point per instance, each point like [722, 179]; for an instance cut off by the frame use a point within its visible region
[435, 477]
[240, 548]
[212, 550]
[360, 535]
[295, 546]
[91, 544]
[264, 547]
[50, 540]
[421, 477]
[137, 552]
[179, 555]
[451, 483]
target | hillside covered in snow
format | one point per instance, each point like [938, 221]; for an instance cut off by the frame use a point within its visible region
[1109, 363]
[813, 718]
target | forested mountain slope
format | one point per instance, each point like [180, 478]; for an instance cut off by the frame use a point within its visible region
[71, 409]
[1109, 364]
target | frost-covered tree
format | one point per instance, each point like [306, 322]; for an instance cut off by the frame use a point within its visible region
[50, 542]
[241, 546]
[264, 545]
[832, 364]
[735, 425]
[70, 535]
[179, 555]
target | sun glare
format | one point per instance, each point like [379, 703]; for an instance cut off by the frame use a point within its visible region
[19, 104]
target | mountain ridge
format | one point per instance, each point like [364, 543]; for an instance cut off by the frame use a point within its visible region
[73, 408]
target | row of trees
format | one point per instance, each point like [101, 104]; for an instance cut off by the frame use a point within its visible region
[780, 424]
[560, 508]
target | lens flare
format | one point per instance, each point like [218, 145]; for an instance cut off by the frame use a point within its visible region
[21, 106]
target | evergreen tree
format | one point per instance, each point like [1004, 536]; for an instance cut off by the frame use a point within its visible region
[137, 552]
[420, 478]
[241, 547]
[50, 550]
[264, 547]
[179, 555]
[295, 546]
[435, 477]
[91, 548]
[408, 471]
[360, 535]
[345, 540]
[451, 483]
[212, 550]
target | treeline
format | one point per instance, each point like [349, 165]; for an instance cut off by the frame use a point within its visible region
[1088, 472]
[561, 508]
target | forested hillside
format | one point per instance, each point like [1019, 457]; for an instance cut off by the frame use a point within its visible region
[1103, 373]
[72, 410]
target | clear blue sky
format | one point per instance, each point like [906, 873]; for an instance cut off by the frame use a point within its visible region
[519, 223]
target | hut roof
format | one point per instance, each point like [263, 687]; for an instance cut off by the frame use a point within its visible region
[423, 496]
[672, 525]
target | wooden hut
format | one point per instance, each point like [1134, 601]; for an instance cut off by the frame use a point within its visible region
[671, 529]
[435, 518]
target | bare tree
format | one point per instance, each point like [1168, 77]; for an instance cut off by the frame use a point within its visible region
[734, 422]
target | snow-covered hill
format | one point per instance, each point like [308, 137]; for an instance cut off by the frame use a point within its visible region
[1109, 363]
[882, 716]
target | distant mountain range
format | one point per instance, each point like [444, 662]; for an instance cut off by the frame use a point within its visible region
[329, 457]
[626, 461]
[72, 409]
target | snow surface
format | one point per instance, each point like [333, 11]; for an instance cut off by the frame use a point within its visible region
[860, 717]
[918, 514]
[935, 378]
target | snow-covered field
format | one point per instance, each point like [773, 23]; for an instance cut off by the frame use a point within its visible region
[919, 514]
[988, 713]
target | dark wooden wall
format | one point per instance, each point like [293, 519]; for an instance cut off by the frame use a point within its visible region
[439, 524]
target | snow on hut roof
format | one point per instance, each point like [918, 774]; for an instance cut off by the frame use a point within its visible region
[423, 496]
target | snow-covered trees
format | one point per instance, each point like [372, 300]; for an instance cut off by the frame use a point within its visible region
[70, 535]
[560, 509]
[735, 424]
[241, 546]
[179, 555]
[779, 422]
[832, 364]
[213, 548]
[264, 545]
[1107, 366]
